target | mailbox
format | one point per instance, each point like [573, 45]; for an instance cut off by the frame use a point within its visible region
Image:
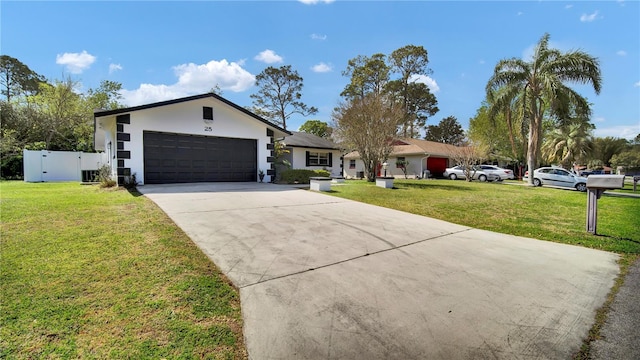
[596, 185]
[605, 182]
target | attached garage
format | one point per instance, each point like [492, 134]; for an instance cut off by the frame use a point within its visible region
[436, 165]
[200, 138]
[183, 158]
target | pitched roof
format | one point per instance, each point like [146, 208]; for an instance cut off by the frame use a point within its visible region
[100, 113]
[408, 146]
[302, 139]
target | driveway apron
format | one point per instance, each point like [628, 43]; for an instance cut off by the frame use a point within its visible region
[326, 278]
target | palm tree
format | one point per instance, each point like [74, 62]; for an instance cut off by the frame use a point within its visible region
[540, 86]
[568, 144]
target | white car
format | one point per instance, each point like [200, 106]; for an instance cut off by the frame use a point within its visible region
[555, 176]
[457, 172]
[500, 172]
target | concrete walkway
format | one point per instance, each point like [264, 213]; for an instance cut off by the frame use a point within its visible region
[327, 278]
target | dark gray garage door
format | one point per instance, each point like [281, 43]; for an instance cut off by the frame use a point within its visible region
[179, 158]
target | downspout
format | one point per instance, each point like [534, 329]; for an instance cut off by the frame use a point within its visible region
[423, 164]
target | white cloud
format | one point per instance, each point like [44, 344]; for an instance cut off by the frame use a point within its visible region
[322, 68]
[269, 57]
[481, 62]
[568, 6]
[114, 67]
[620, 131]
[193, 79]
[598, 119]
[637, 84]
[519, 13]
[76, 63]
[318, 37]
[313, 2]
[590, 17]
[431, 83]
[621, 53]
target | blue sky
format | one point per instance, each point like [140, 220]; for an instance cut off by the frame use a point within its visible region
[161, 50]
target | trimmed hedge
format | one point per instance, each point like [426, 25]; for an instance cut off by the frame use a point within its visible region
[301, 176]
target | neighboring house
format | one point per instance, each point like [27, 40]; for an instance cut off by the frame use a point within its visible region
[199, 138]
[422, 155]
[308, 151]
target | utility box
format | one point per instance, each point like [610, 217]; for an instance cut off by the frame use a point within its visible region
[596, 185]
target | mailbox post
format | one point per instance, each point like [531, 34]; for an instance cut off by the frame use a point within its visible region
[596, 185]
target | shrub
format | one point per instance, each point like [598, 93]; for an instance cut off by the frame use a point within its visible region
[104, 177]
[301, 176]
[12, 167]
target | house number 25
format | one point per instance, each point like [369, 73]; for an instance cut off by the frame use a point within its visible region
[208, 128]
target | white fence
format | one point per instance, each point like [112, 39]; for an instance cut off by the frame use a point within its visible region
[44, 166]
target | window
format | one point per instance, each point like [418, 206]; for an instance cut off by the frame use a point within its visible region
[318, 159]
[399, 162]
[352, 164]
[207, 113]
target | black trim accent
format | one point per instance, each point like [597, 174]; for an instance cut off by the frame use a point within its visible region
[123, 119]
[120, 163]
[269, 132]
[119, 128]
[124, 154]
[120, 180]
[123, 137]
[207, 113]
[270, 146]
[124, 171]
[330, 159]
[273, 166]
[270, 159]
[306, 158]
[271, 172]
[120, 145]
[101, 113]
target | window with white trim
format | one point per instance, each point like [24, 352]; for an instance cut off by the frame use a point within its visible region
[319, 158]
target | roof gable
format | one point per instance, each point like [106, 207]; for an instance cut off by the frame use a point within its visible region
[101, 113]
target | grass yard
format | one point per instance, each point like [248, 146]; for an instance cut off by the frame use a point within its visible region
[541, 213]
[92, 273]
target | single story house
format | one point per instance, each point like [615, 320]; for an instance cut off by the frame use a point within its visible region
[421, 155]
[201, 138]
[308, 151]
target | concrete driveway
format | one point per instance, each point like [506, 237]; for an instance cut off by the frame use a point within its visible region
[326, 278]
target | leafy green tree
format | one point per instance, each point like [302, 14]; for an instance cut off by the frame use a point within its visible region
[279, 94]
[541, 85]
[368, 75]
[605, 148]
[106, 97]
[373, 75]
[627, 159]
[367, 124]
[493, 132]
[568, 144]
[448, 131]
[17, 79]
[417, 100]
[317, 128]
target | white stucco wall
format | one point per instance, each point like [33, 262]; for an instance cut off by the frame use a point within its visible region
[416, 165]
[186, 118]
[299, 160]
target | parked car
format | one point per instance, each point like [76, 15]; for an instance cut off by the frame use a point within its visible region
[555, 176]
[457, 172]
[498, 171]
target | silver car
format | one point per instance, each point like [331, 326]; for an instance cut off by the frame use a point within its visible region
[457, 172]
[498, 171]
[555, 176]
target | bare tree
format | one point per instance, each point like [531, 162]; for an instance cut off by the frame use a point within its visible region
[368, 124]
[468, 156]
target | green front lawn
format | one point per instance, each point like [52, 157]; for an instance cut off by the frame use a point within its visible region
[93, 273]
[542, 213]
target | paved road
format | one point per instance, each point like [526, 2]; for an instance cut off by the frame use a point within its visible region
[327, 278]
